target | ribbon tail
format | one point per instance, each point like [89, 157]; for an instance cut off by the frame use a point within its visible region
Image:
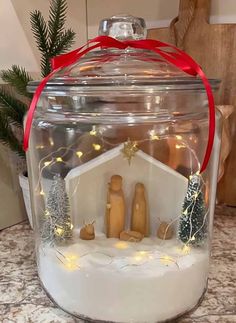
[211, 106]
[185, 63]
[212, 121]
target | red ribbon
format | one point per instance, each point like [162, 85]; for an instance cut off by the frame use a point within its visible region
[176, 57]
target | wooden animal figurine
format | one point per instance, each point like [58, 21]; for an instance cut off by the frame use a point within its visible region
[115, 211]
[164, 231]
[87, 232]
[140, 218]
[131, 236]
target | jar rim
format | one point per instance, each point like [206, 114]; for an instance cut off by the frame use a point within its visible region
[133, 86]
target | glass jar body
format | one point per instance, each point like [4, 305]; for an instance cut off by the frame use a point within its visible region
[123, 216]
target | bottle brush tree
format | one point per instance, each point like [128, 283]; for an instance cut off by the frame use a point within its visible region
[57, 225]
[192, 228]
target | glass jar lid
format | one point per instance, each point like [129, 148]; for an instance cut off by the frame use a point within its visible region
[112, 68]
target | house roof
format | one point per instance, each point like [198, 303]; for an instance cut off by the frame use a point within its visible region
[113, 153]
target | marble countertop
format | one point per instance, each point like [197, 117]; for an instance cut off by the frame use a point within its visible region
[22, 299]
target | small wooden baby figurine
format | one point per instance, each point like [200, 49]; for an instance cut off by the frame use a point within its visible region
[140, 219]
[131, 236]
[87, 232]
[115, 212]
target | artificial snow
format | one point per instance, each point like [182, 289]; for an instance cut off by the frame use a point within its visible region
[112, 280]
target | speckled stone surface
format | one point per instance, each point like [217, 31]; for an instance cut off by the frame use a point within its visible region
[23, 300]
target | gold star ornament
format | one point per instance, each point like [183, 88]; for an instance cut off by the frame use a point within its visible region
[129, 150]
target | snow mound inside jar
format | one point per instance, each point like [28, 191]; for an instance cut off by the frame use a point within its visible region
[112, 280]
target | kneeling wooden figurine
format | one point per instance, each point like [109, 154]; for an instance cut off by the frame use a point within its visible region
[87, 232]
[164, 231]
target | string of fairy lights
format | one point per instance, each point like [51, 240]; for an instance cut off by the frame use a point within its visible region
[72, 261]
[129, 150]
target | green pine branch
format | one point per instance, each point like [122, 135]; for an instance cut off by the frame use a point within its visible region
[65, 41]
[14, 107]
[40, 32]
[7, 136]
[18, 78]
[56, 22]
[52, 39]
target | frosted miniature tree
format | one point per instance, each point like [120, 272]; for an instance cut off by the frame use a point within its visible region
[57, 226]
[192, 225]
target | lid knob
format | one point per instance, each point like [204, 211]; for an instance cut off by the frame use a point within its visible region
[123, 27]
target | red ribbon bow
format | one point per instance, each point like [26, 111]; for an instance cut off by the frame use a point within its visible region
[176, 57]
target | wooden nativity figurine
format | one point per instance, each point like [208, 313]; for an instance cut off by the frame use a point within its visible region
[115, 210]
[140, 218]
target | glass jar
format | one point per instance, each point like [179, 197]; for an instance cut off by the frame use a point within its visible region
[122, 214]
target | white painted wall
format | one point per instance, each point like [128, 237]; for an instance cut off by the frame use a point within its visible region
[17, 44]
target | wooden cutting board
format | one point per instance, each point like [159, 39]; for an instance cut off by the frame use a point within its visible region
[214, 48]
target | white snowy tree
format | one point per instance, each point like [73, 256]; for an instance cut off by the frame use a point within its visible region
[57, 225]
[193, 223]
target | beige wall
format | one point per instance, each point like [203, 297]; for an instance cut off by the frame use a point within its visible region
[17, 44]
[223, 11]
[13, 41]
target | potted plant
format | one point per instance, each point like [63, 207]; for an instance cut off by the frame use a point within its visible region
[52, 39]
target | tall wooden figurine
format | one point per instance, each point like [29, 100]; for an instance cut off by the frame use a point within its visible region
[115, 212]
[140, 218]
